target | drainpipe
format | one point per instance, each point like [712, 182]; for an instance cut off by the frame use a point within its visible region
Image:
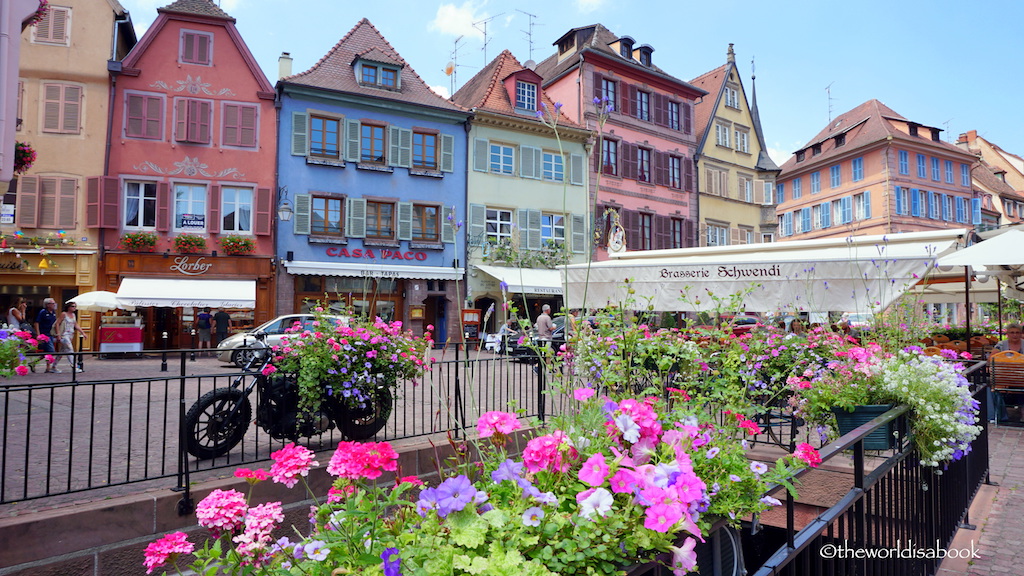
[696, 196]
[114, 68]
[274, 233]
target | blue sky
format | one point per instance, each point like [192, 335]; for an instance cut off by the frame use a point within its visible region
[958, 66]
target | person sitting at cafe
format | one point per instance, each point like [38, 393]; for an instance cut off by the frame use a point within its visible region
[1013, 339]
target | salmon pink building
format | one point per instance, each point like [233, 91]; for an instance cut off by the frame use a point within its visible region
[192, 143]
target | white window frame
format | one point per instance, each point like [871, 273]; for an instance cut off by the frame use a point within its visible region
[145, 192]
[643, 105]
[502, 159]
[717, 235]
[553, 168]
[498, 225]
[552, 227]
[526, 95]
[198, 196]
[742, 141]
[722, 135]
[237, 205]
[673, 111]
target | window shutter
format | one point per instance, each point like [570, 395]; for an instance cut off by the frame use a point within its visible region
[52, 94]
[598, 155]
[300, 138]
[135, 115]
[163, 207]
[660, 102]
[688, 174]
[447, 230]
[867, 205]
[203, 122]
[352, 143]
[660, 167]
[188, 47]
[631, 222]
[628, 157]
[202, 49]
[624, 104]
[759, 197]
[247, 123]
[687, 119]
[355, 223]
[154, 118]
[576, 166]
[534, 221]
[735, 238]
[395, 146]
[301, 223]
[92, 201]
[529, 162]
[72, 109]
[181, 120]
[477, 225]
[579, 233]
[230, 123]
[523, 222]
[662, 232]
[405, 221]
[405, 148]
[481, 154]
[598, 81]
[631, 96]
[264, 209]
[27, 214]
[447, 153]
[109, 203]
[213, 226]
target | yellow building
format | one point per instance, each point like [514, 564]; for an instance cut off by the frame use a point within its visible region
[736, 177]
[62, 113]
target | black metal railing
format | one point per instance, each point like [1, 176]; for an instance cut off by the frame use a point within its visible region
[895, 517]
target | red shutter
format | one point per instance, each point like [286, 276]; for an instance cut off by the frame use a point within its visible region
[163, 207]
[659, 109]
[67, 192]
[629, 164]
[202, 49]
[188, 48]
[660, 160]
[109, 203]
[624, 103]
[135, 114]
[632, 101]
[154, 114]
[181, 120]
[230, 122]
[598, 156]
[687, 120]
[247, 126]
[213, 226]
[27, 210]
[688, 174]
[598, 83]
[662, 232]
[264, 212]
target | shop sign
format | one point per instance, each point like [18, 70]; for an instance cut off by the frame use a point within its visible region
[371, 254]
[185, 265]
[12, 263]
[6, 213]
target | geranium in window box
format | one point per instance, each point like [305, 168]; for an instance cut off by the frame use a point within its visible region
[138, 241]
[236, 245]
[189, 243]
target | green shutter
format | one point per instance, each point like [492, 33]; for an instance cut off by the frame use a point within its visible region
[405, 220]
[352, 143]
[394, 146]
[579, 233]
[477, 225]
[481, 154]
[301, 223]
[447, 153]
[405, 148]
[355, 221]
[448, 226]
[576, 169]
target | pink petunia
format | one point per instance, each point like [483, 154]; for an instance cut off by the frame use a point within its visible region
[268, 369]
[21, 370]
[808, 454]
[623, 481]
[252, 476]
[594, 470]
[223, 511]
[661, 517]
[166, 548]
[357, 460]
[493, 422]
[684, 558]
[291, 462]
[583, 394]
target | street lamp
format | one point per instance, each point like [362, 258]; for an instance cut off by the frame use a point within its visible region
[284, 209]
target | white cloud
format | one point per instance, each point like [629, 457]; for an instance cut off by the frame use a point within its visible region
[442, 90]
[588, 6]
[780, 156]
[458, 20]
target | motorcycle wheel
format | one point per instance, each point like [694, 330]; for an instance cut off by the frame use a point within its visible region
[213, 424]
[242, 356]
[363, 423]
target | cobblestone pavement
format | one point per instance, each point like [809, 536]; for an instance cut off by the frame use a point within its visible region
[997, 514]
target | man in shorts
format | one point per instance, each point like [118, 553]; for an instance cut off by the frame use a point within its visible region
[203, 327]
[45, 320]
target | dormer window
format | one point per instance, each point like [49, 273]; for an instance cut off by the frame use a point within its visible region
[815, 149]
[840, 140]
[377, 75]
[645, 55]
[526, 96]
[913, 130]
[567, 44]
[626, 47]
[800, 156]
[935, 134]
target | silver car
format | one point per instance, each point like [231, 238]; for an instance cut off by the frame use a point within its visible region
[236, 349]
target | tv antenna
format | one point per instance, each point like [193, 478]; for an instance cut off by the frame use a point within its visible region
[529, 30]
[484, 30]
[949, 135]
[451, 69]
[828, 91]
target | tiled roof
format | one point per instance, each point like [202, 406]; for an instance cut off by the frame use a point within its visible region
[863, 126]
[335, 70]
[985, 174]
[597, 38]
[703, 111]
[200, 7]
[486, 91]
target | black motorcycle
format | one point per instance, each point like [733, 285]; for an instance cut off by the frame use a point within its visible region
[217, 422]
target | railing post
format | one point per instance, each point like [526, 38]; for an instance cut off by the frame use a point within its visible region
[459, 416]
[541, 381]
[163, 357]
[193, 356]
[186, 505]
[81, 357]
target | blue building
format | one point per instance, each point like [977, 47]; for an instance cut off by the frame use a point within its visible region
[372, 165]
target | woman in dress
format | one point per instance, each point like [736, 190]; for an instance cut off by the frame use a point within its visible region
[67, 325]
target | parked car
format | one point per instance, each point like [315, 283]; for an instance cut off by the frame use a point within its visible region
[527, 350]
[859, 320]
[235, 349]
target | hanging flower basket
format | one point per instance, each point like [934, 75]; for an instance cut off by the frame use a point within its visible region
[139, 241]
[189, 243]
[24, 157]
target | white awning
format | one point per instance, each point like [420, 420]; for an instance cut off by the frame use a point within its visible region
[178, 293]
[526, 280]
[374, 270]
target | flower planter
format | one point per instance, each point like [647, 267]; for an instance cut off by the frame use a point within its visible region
[881, 439]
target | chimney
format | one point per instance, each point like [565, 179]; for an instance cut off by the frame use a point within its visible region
[284, 65]
[730, 56]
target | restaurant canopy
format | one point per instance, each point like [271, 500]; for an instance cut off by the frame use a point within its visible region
[180, 293]
[852, 274]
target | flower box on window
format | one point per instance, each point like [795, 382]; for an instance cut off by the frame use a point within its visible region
[138, 241]
[236, 245]
[189, 243]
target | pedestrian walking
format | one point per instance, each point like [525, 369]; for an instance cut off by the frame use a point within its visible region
[45, 319]
[67, 325]
[204, 325]
[221, 323]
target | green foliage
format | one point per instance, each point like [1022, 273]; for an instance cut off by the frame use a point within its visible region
[139, 241]
[186, 243]
[235, 244]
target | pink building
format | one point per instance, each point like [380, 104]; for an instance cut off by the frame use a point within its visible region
[642, 175]
[872, 171]
[192, 151]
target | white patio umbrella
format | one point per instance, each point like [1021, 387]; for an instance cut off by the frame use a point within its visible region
[995, 252]
[99, 301]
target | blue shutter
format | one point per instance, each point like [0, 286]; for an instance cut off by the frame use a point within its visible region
[976, 211]
[826, 214]
[780, 193]
[867, 206]
[899, 199]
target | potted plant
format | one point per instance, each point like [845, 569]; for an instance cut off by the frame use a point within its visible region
[24, 157]
[186, 243]
[234, 244]
[139, 241]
